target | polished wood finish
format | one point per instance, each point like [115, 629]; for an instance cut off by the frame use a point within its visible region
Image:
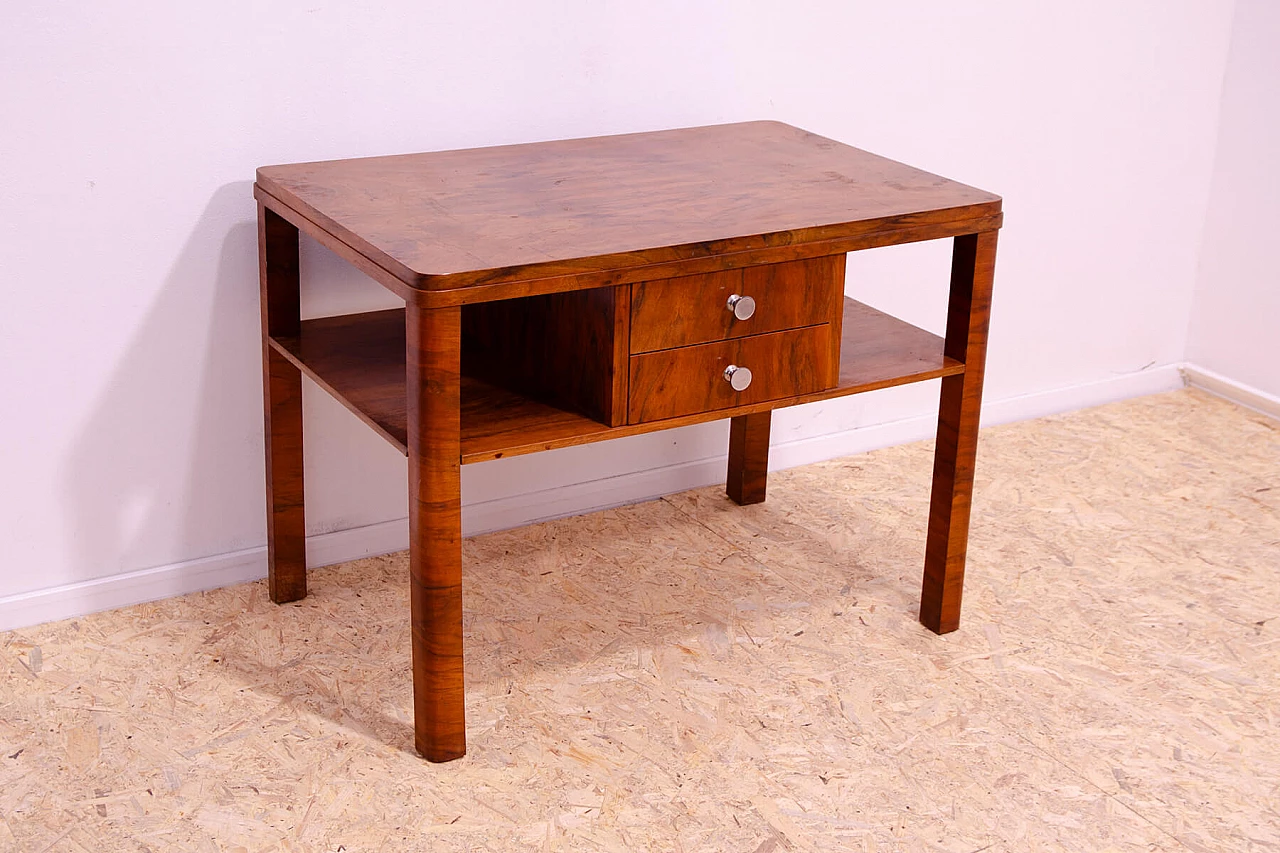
[689, 310]
[818, 282]
[453, 219]
[282, 407]
[557, 348]
[622, 294]
[359, 359]
[555, 296]
[889, 235]
[332, 243]
[836, 311]
[878, 351]
[433, 347]
[968, 315]
[683, 381]
[748, 458]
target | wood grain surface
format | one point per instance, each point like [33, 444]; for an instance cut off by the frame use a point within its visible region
[557, 348]
[282, 408]
[748, 468]
[433, 355]
[537, 316]
[689, 380]
[359, 359]
[690, 310]
[452, 219]
[968, 316]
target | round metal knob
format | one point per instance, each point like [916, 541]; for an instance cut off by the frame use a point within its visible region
[739, 378]
[742, 306]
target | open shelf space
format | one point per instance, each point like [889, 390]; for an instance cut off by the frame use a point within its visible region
[360, 360]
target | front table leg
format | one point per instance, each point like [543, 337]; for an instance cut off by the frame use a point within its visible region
[433, 364]
[972, 270]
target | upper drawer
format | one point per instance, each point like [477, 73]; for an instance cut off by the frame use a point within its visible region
[694, 309]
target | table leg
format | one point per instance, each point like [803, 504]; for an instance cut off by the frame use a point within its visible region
[748, 457]
[282, 405]
[972, 270]
[435, 529]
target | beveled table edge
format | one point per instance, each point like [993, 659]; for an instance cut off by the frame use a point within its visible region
[606, 270]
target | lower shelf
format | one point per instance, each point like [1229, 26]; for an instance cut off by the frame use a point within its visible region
[360, 360]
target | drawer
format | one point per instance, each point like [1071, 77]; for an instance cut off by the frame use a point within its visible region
[694, 309]
[687, 380]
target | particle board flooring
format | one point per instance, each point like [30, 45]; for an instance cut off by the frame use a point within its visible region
[688, 675]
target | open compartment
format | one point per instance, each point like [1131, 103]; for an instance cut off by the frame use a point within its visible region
[567, 350]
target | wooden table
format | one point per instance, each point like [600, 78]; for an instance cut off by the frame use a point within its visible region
[569, 292]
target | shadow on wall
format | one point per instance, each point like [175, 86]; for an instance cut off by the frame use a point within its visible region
[169, 464]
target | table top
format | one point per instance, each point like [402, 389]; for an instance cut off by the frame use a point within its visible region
[450, 219]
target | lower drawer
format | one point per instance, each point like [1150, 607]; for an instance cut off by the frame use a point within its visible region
[684, 381]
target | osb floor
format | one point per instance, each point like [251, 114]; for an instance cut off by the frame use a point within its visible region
[687, 675]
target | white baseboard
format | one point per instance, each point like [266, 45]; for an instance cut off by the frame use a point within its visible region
[83, 597]
[78, 599]
[1229, 389]
[1155, 380]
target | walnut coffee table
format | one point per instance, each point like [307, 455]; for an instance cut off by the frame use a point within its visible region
[569, 292]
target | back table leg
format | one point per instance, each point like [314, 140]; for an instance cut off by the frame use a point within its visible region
[435, 529]
[282, 393]
[748, 458]
[972, 269]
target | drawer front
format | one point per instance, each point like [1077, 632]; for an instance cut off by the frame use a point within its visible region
[684, 381]
[694, 309]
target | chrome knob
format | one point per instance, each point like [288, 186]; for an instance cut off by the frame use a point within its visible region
[739, 378]
[742, 307]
